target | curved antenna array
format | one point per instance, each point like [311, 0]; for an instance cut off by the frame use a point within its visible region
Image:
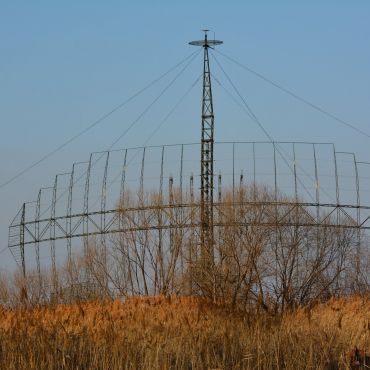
[106, 193]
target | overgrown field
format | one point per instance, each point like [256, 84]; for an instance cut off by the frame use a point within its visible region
[181, 333]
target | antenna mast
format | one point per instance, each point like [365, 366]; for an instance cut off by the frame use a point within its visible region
[207, 141]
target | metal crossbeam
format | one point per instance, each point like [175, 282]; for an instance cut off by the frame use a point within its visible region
[117, 222]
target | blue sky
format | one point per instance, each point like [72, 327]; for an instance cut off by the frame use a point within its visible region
[64, 64]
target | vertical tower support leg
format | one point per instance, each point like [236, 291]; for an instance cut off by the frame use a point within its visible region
[21, 239]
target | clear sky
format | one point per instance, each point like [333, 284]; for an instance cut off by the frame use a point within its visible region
[65, 63]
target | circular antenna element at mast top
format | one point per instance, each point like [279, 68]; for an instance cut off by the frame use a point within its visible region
[206, 43]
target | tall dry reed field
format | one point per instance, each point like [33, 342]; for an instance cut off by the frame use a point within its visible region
[181, 333]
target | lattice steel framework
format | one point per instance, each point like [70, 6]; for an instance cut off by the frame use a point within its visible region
[108, 194]
[206, 161]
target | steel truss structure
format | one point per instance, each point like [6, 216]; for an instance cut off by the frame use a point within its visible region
[206, 154]
[138, 190]
[151, 193]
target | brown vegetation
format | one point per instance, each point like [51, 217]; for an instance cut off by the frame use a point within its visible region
[181, 333]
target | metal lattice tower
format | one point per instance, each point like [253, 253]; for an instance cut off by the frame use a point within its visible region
[207, 142]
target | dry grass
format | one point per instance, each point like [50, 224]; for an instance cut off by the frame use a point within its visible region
[181, 333]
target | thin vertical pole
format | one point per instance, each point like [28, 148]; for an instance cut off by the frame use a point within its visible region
[275, 174]
[181, 170]
[296, 215]
[276, 223]
[317, 198]
[21, 245]
[295, 174]
[142, 178]
[21, 240]
[317, 185]
[192, 188]
[192, 218]
[233, 166]
[170, 193]
[160, 223]
[219, 187]
[52, 236]
[85, 224]
[37, 235]
[219, 214]
[180, 222]
[69, 218]
[103, 197]
[161, 177]
[358, 214]
[254, 164]
[122, 200]
[337, 196]
[123, 181]
[143, 236]
[103, 203]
